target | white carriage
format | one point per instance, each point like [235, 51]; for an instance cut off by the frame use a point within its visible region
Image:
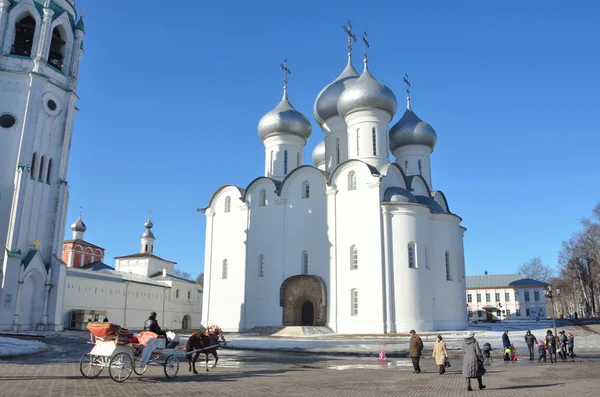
[122, 360]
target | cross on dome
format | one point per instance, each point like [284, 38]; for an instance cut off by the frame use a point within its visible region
[407, 82]
[286, 71]
[351, 36]
[366, 46]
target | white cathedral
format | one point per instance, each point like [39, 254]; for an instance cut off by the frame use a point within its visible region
[357, 243]
[40, 49]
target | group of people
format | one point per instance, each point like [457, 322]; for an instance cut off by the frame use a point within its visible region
[563, 345]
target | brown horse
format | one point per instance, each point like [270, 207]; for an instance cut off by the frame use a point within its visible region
[201, 341]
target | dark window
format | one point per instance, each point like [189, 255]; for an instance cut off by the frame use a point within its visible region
[56, 55]
[479, 313]
[49, 171]
[469, 298]
[527, 297]
[487, 298]
[337, 151]
[536, 296]
[527, 312]
[478, 298]
[420, 169]
[7, 120]
[470, 314]
[507, 296]
[517, 296]
[24, 32]
[51, 105]
[41, 168]
[189, 295]
[374, 142]
[518, 312]
[285, 162]
[33, 165]
[497, 296]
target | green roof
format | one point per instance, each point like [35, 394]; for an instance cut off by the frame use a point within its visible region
[501, 280]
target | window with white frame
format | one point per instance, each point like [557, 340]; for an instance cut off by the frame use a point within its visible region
[412, 262]
[261, 265]
[352, 180]
[227, 204]
[224, 269]
[285, 162]
[353, 258]
[304, 262]
[447, 256]
[305, 190]
[354, 300]
[262, 198]
[470, 298]
[374, 133]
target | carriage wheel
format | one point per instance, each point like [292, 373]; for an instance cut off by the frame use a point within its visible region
[120, 367]
[171, 366]
[137, 366]
[91, 365]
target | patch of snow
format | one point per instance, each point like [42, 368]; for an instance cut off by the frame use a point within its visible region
[18, 347]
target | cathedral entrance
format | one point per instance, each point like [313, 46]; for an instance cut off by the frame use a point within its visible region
[304, 301]
[307, 314]
[186, 323]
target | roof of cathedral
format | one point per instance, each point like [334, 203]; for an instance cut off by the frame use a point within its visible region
[411, 130]
[143, 255]
[80, 241]
[325, 105]
[159, 276]
[367, 92]
[501, 280]
[284, 120]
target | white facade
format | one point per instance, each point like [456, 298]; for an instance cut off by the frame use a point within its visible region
[360, 247]
[505, 297]
[40, 50]
[139, 284]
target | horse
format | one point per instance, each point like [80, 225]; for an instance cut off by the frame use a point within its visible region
[201, 341]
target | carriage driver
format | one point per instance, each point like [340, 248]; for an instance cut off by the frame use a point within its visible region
[152, 325]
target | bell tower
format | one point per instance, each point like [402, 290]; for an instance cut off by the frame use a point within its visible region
[40, 50]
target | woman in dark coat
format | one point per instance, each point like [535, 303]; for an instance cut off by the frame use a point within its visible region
[472, 361]
[551, 346]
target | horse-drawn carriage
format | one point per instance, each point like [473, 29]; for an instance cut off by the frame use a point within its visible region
[118, 350]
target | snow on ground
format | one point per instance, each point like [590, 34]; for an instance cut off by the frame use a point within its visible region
[17, 347]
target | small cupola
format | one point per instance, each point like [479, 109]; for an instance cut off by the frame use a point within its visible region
[147, 240]
[78, 228]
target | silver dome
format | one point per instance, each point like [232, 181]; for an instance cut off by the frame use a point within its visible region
[325, 105]
[411, 130]
[318, 155]
[367, 92]
[282, 120]
[148, 234]
[78, 226]
[148, 224]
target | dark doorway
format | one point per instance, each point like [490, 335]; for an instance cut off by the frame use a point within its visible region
[25, 30]
[488, 316]
[307, 314]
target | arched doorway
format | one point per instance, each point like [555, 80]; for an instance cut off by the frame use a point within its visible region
[307, 314]
[304, 301]
[186, 323]
[32, 301]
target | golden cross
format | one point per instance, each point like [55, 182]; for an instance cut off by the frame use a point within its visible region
[83, 12]
[36, 244]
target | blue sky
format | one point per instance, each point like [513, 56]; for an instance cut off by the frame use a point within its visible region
[171, 96]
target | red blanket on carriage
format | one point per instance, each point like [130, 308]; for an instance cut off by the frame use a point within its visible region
[109, 332]
[144, 336]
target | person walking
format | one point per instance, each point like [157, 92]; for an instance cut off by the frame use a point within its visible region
[563, 341]
[440, 354]
[506, 345]
[415, 349]
[531, 343]
[571, 345]
[551, 346]
[472, 361]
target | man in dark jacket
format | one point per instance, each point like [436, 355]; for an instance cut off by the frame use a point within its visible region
[551, 346]
[415, 349]
[152, 325]
[506, 345]
[531, 342]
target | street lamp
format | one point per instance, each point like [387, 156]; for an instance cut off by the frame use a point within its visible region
[551, 294]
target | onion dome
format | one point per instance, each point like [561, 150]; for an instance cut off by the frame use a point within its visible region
[284, 120]
[318, 155]
[78, 226]
[80, 25]
[325, 105]
[148, 225]
[367, 92]
[411, 130]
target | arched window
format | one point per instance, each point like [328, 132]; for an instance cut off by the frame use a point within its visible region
[374, 133]
[227, 204]
[176, 294]
[304, 262]
[352, 180]
[41, 172]
[448, 266]
[285, 162]
[224, 269]
[49, 172]
[297, 159]
[271, 164]
[420, 169]
[354, 300]
[57, 48]
[337, 151]
[24, 32]
[353, 258]
[412, 260]
[261, 266]
[32, 172]
[305, 190]
[146, 248]
[262, 198]
[406, 167]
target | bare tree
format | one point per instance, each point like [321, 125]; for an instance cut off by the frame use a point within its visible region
[200, 279]
[535, 269]
[182, 274]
